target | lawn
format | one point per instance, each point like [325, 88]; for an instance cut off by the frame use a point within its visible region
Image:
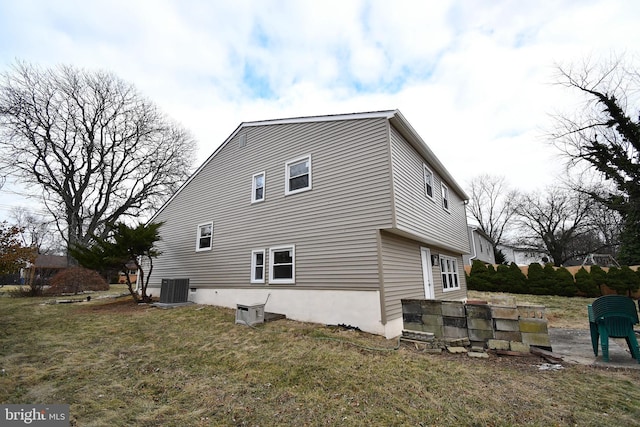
[118, 364]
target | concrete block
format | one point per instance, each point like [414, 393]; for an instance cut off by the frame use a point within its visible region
[495, 344]
[537, 340]
[478, 354]
[456, 350]
[499, 312]
[506, 325]
[531, 311]
[453, 309]
[481, 311]
[456, 342]
[508, 335]
[478, 348]
[431, 319]
[412, 317]
[519, 346]
[480, 324]
[413, 326]
[503, 300]
[535, 326]
[431, 306]
[481, 335]
[454, 332]
[458, 322]
[411, 306]
[436, 330]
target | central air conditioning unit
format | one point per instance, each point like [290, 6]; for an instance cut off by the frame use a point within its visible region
[174, 291]
[250, 314]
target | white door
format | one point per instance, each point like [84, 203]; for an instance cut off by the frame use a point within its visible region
[427, 277]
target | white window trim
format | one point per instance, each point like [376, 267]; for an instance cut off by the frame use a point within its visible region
[253, 187]
[293, 265]
[254, 265]
[286, 175]
[455, 277]
[198, 236]
[424, 179]
[445, 191]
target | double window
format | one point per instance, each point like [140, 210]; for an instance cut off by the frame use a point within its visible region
[298, 175]
[449, 270]
[258, 187]
[204, 237]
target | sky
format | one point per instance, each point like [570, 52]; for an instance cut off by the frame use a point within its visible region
[474, 78]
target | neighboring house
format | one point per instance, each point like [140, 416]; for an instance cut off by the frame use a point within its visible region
[132, 269]
[43, 269]
[481, 247]
[523, 256]
[327, 219]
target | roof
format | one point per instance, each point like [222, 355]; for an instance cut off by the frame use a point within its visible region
[51, 261]
[477, 229]
[396, 119]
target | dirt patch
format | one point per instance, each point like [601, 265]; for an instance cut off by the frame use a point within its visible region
[118, 305]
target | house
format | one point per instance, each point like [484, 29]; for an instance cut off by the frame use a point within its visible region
[482, 247]
[43, 269]
[328, 219]
[523, 255]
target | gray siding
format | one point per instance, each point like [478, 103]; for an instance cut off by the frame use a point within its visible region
[403, 276]
[402, 272]
[333, 226]
[418, 214]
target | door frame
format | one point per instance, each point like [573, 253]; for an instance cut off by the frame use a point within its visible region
[427, 273]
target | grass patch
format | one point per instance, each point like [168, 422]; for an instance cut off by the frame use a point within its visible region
[120, 364]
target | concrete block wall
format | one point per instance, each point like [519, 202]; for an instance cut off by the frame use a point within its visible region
[501, 326]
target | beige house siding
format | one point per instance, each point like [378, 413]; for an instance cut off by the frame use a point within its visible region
[418, 214]
[333, 226]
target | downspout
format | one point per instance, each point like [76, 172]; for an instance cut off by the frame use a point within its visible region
[473, 245]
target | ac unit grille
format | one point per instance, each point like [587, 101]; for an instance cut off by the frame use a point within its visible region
[174, 291]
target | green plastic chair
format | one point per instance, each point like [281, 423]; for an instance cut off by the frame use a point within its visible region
[613, 316]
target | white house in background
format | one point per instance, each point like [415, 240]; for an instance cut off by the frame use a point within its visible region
[328, 219]
[522, 256]
[481, 247]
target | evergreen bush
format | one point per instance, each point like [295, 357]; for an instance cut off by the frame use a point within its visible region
[586, 285]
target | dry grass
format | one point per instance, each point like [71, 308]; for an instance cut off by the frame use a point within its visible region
[118, 364]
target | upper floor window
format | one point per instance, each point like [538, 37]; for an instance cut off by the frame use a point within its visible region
[449, 270]
[205, 236]
[428, 182]
[445, 197]
[257, 187]
[283, 265]
[298, 175]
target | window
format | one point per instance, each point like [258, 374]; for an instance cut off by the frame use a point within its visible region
[283, 265]
[257, 266]
[257, 188]
[449, 269]
[298, 175]
[205, 236]
[428, 182]
[445, 197]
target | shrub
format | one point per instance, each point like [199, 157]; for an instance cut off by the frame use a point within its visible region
[623, 280]
[599, 276]
[565, 283]
[586, 284]
[479, 278]
[77, 279]
[536, 280]
[518, 279]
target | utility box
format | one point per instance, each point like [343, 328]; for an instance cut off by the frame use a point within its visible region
[250, 314]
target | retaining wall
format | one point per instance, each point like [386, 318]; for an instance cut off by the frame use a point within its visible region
[502, 325]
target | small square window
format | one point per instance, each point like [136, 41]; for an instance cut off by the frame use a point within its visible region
[298, 175]
[205, 237]
[282, 265]
[258, 187]
[257, 266]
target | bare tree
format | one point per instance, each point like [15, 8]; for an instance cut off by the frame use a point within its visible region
[35, 230]
[492, 205]
[556, 221]
[96, 149]
[605, 135]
